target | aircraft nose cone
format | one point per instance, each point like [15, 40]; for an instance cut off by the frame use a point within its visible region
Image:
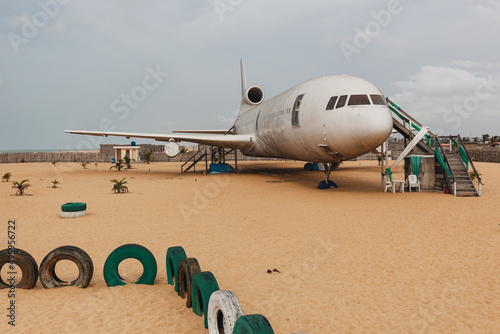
[373, 127]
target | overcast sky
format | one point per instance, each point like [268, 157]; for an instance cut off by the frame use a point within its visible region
[158, 66]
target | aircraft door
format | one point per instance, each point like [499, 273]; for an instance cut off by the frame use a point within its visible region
[295, 111]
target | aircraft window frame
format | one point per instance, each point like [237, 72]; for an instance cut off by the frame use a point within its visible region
[332, 102]
[380, 102]
[359, 100]
[341, 101]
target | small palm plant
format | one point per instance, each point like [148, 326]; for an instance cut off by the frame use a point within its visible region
[84, 165]
[6, 177]
[20, 186]
[119, 186]
[119, 165]
[148, 156]
[54, 162]
[55, 183]
[473, 175]
[127, 161]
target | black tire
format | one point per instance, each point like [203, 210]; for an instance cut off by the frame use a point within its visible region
[48, 276]
[252, 324]
[174, 257]
[204, 284]
[26, 263]
[130, 251]
[188, 268]
[72, 207]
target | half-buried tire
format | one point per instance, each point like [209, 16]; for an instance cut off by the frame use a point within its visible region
[187, 269]
[174, 256]
[223, 311]
[130, 251]
[252, 324]
[78, 256]
[25, 262]
[204, 284]
[73, 210]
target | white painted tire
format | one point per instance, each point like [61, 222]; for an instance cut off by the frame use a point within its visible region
[73, 214]
[225, 303]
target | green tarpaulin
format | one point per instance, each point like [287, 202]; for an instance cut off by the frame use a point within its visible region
[415, 164]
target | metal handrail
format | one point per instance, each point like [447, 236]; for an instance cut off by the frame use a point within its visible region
[472, 164]
[407, 118]
[193, 157]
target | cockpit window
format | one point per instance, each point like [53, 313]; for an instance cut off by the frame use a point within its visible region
[341, 102]
[378, 100]
[331, 103]
[356, 100]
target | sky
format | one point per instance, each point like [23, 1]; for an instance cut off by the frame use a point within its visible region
[157, 66]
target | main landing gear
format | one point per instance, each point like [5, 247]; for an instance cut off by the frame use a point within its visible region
[327, 184]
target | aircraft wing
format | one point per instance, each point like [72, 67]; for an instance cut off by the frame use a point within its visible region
[219, 140]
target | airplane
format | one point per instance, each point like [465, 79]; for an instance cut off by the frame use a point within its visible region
[325, 120]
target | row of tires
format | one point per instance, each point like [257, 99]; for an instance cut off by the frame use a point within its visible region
[221, 308]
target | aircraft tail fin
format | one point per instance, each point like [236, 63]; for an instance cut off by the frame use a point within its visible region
[243, 78]
[250, 96]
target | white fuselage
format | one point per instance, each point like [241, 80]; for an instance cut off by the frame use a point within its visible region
[304, 128]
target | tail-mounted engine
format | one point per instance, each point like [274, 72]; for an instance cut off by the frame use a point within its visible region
[253, 95]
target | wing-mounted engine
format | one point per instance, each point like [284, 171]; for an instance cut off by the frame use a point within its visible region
[254, 95]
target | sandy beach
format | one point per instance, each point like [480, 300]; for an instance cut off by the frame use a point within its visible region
[350, 260]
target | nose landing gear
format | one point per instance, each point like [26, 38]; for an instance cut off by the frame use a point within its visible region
[327, 184]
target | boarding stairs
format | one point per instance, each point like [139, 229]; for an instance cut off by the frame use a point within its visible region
[216, 155]
[457, 161]
[454, 159]
[195, 158]
[406, 125]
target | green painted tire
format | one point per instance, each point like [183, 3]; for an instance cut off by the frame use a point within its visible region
[25, 262]
[130, 251]
[78, 256]
[174, 256]
[252, 324]
[72, 207]
[187, 269]
[204, 284]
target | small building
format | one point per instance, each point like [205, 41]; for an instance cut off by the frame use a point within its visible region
[131, 151]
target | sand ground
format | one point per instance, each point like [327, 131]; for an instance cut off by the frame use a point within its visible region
[351, 260]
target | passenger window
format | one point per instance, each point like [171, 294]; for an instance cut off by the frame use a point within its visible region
[341, 102]
[357, 100]
[331, 103]
[378, 100]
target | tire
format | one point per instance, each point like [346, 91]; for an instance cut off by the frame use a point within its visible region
[174, 256]
[187, 269]
[72, 207]
[204, 284]
[223, 311]
[252, 324]
[48, 276]
[130, 251]
[26, 263]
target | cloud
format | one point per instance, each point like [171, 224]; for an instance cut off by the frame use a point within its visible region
[459, 97]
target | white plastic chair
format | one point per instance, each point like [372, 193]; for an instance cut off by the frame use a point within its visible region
[388, 183]
[412, 182]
